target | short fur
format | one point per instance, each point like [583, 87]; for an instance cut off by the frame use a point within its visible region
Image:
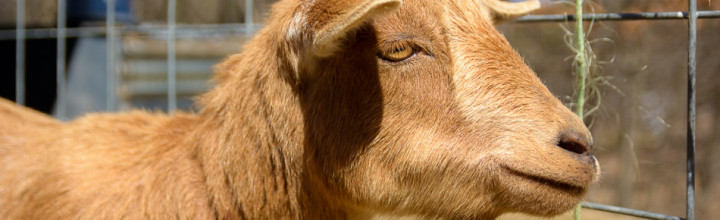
[461, 129]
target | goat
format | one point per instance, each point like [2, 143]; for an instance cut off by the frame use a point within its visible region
[336, 109]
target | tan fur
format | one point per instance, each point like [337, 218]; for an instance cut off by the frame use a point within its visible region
[460, 130]
[503, 10]
[330, 35]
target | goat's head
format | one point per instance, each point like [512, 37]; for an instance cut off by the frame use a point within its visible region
[422, 107]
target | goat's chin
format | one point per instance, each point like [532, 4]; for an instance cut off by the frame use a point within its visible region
[537, 195]
[546, 182]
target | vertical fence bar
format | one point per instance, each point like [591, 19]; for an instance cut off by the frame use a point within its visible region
[20, 53]
[60, 77]
[692, 46]
[172, 92]
[110, 42]
[581, 74]
[248, 14]
[580, 59]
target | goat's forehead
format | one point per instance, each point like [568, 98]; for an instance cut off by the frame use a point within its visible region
[425, 15]
[410, 18]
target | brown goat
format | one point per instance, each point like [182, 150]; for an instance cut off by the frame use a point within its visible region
[337, 109]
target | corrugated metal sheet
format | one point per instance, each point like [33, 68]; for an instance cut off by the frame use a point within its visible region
[143, 68]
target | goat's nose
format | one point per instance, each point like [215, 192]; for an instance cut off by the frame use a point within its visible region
[575, 142]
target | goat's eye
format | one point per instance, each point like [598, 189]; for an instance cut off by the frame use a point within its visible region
[397, 53]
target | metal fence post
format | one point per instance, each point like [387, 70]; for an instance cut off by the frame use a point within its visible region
[60, 77]
[692, 47]
[172, 91]
[248, 13]
[20, 53]
[110, 42]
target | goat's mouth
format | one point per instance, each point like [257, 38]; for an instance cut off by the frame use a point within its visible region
[560, 170]
[539, 194]
[573, 188]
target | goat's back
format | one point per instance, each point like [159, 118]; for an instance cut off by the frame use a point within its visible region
[128, 165]
[18, 120]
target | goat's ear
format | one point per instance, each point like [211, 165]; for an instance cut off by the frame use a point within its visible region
[333, 19]
[503, 10]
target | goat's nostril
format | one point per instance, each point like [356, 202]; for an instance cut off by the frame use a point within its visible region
[573, 142]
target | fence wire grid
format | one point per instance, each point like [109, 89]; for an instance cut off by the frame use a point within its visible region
[172, 30]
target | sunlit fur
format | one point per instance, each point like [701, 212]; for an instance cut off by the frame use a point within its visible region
[462, 129]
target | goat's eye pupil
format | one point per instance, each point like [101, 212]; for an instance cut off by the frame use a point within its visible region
[397, 53]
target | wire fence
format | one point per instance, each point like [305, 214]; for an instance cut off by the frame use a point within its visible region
[691, 15]
[172, 30]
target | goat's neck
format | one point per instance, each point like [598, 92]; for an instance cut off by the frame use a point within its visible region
[250, 142]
